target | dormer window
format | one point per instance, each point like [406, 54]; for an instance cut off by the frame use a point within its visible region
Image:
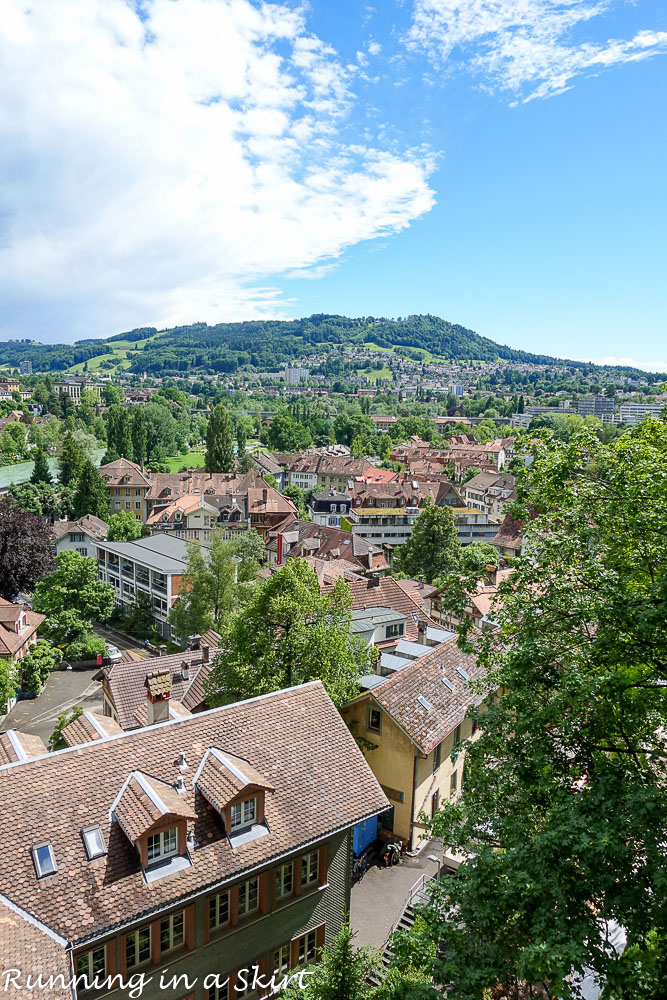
[93, 841]
[162, 845]
[44, 859]
[243, 814]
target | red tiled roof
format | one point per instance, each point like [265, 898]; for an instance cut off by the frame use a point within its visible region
[11, 640]
[90, 726]
[15, 746]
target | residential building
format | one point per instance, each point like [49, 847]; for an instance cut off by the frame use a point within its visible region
[203, 846]
[509, 537]
[304, 538]
[267, 465]
[325, 471]
[634, 413]
[73, 387]
[18, 629]
[416, 717]
[489, 491]
[191, 517]
[268, 509]
[480, 605]
[16, 747]
[328, 507]
[80, 536]
[293, 374]
[152, 566]
[9, 385]
[25, 367]
[127, 485]
[594, 406]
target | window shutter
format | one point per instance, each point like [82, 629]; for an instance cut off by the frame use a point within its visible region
[189, 922]
[111, 958]
[155, 942]
[294, 953]
[320, 936]
[323, 865]
[207, 920]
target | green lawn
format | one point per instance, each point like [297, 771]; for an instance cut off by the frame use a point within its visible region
[121, 350]
[375, 373]
[193, 459]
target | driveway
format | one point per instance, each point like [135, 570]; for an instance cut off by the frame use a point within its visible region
[132, 649]
[378, 900]
[63, 690]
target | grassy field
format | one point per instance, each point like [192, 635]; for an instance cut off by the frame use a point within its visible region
[193, 460]
[375, 373]
[123, 350]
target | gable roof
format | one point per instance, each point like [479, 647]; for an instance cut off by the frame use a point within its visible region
[90, 726]
[386, 592]
[122, 470]
[143, 801]
[398, 695]
[296, 737]
[11, 640]
[15, 746]
[90, 525]
[222, 776]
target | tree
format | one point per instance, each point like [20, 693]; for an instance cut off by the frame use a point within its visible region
[208, 592]
[54, 502]
[219, 442]
[8, 682]
[111, 394]
[563, 821]
[470, 473]
[91, 495]
[25, 549]
[72, 595]
[434, 548]
[286, 634]
[36, 666]
[521, 407]
[70, 460]
[285, 434]
[124, 527]
[139, 436]
[299, 499]
[240, 439]
[341, 973]
[41, 472]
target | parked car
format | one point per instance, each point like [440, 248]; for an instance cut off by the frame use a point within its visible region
[113, 653]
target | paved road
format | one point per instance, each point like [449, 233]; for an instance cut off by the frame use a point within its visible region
[63, 690]
[379, 898]
[134, 649]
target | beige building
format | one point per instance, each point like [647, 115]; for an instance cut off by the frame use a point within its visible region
[127, 486]
[416, 718]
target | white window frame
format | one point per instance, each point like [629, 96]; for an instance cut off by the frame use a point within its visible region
[285, 880]
[214, 909]
[282, 959]
[163, 838]
[306, 948]
[132, 939]
[310, 867]
[243, 814]
[42, 871]
[244, 896]
[95, 846]
[175, 929]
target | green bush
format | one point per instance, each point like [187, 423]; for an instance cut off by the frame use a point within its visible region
[85, 648]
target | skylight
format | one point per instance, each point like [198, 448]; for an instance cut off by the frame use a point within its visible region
[424, 703]
[44, 860]
[464, 675]
[448, 684]
[93, 841]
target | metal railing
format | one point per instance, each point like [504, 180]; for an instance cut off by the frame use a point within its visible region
[418, 887]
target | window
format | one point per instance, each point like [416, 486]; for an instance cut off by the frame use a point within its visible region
[92, 964]
[374, 720]
[162, 845]
[395, 629]
[457, 736]
[172, 932]
[453, 782]
[243, 814]
[117, 504]
[248, 896]
[93, 842]
[128, 505]
[137, 504]
[392, 793]
[44, 860]
[218, 992]
[281, 960]
[437, 757]
[284, 881]
[137, 947]
[310, 868]
[218, 910]
[307, 946]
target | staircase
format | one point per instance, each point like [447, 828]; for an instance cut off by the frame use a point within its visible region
[418, 896]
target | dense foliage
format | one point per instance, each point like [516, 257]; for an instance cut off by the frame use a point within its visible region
[25, 549]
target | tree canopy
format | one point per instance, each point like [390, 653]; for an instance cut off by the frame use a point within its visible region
[433, 549]
[25, 549]
[124, 526]
[73, 596]
[286, 634]
[219, 441]
[563, 819]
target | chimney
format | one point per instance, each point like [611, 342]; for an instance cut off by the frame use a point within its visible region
[205, 649]
[163, 650]
[265, 496]
[194, 642]
[185, 670]
[158, 692]
[180, 785]
[375, 581]
[421, 630]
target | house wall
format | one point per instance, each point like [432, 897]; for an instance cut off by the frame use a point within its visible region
[254, 938]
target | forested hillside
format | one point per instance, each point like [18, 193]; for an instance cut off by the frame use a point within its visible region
[263, 345]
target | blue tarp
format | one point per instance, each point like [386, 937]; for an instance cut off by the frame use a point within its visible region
[364, 834]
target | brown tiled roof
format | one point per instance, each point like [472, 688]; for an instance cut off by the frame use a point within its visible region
[10, 639]
[90, 726]
[399, 694]
[93, 526]
[120, 469]
[126, 681]
[275, 502]
[223, 776]
[510, 534]
[386, 593]
[25, 946]
[296, 737]
[15, 746]
[325, 540]
[144, 800]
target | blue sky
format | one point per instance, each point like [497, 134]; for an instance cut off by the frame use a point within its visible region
[500, 163]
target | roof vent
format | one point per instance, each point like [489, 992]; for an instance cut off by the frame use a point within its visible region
[190, 840]
[185, 670]
[424, 703]
[182, 763]
[180, 785]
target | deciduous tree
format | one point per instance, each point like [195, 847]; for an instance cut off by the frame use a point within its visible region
[25, 549]
[73, 591]
[124, 527]
[219, 441]
[434, 548]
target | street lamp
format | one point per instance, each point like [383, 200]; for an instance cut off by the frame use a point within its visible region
[434, 857]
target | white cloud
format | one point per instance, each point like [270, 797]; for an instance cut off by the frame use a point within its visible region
[645, 366]
[374, 48]
[163, 163]
[525, 47]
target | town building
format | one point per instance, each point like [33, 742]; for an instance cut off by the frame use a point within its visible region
[415, 718]
[25, 367]
[127, 485]
[191, 517]
[304, 538]
[18, 630]
[73, 387]
[329, 506]
[202, 846]
[489, 491]
[80, 536]
[633, 413]
[9, 385]
[16, 747]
